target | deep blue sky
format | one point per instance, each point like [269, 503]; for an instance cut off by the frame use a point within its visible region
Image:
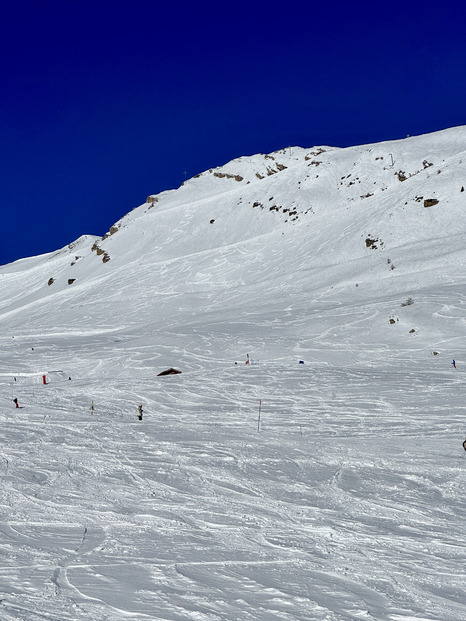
[104, 103]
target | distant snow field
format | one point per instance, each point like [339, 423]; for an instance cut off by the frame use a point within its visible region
[324, 481]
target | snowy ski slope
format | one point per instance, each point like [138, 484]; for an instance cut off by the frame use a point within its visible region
[342, 273]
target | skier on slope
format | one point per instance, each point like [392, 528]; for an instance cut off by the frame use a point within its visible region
[454, 364]
[140, 410]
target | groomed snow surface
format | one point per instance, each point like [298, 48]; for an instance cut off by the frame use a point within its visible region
[324, 481]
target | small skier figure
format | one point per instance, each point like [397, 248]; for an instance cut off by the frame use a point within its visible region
[15, 401]
[140, 410]
[454, 364]
[464, 445]
[247, 359]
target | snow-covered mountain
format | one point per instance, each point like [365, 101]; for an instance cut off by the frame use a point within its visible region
[341, 273]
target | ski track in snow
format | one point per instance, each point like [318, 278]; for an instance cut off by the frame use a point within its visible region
[347, 504]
